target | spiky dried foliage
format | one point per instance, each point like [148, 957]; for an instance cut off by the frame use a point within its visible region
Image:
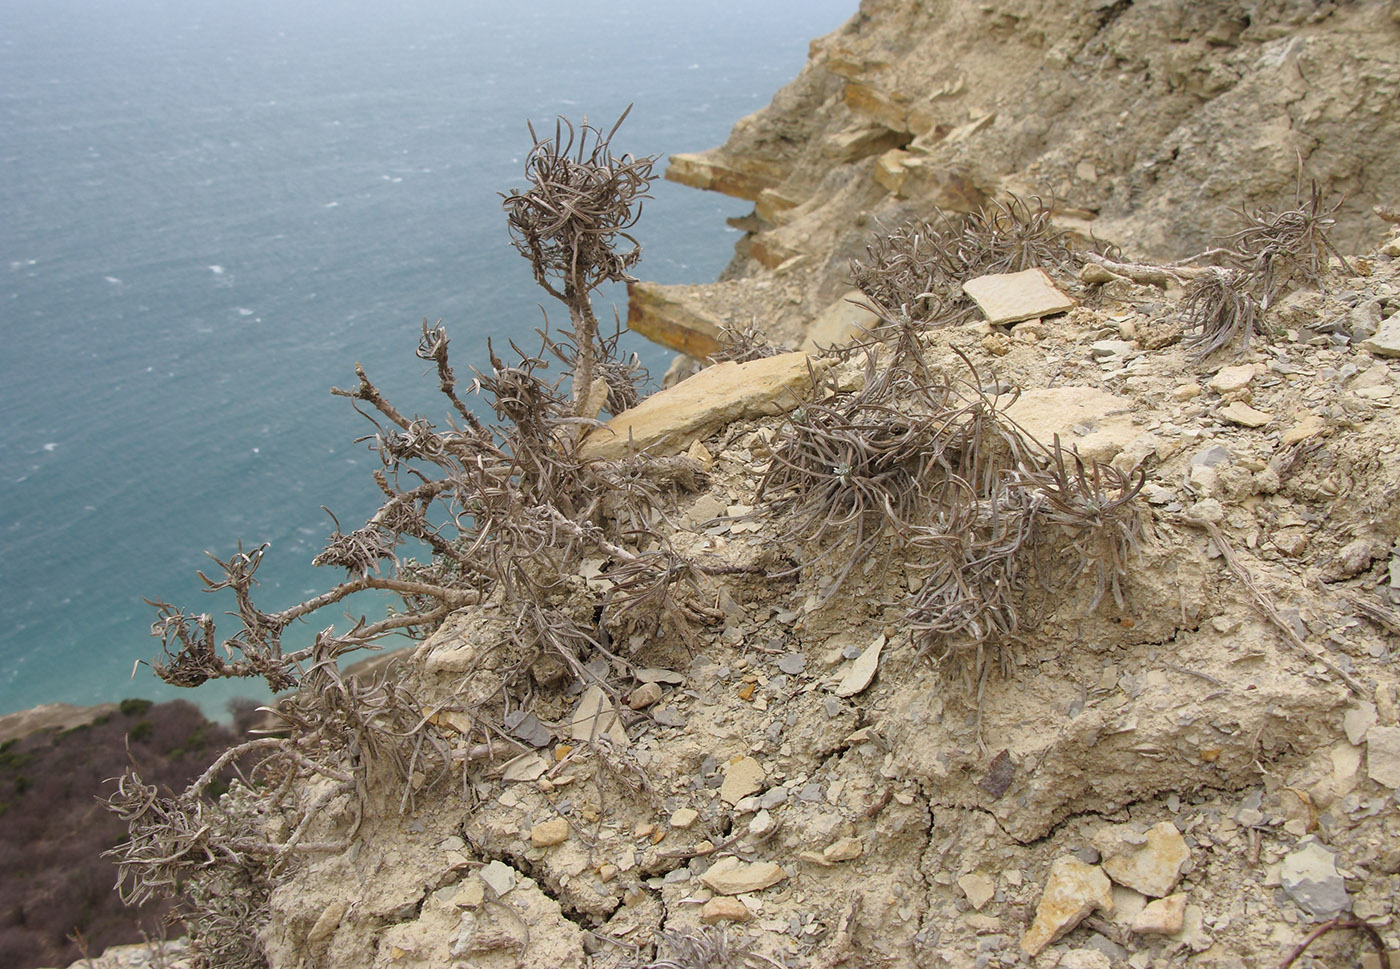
[1276, 251]
[709, 948]
[924, 465]
[1095, 506]
[509, 511]
[919, 267]
[581, 202]
[744, 343]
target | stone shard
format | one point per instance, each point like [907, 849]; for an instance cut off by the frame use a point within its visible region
[862, 671]
[978, 887]
[1152, 867]
[666, 423]
[1012, 297]
[1383, 756]
[596, 717]
[673, 317]
[742, 777]
[841, 322]
[1241, 413]
[549, 833]
[740, 877]
[1232, 379]
[1072, 891]
[1386, 342]
[1310, 877]
[742, 176]
[1162, 916]
[1097, 423]
[724, 909]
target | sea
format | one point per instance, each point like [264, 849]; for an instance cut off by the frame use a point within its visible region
[210, 211]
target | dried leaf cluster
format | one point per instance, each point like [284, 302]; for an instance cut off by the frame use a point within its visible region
[918, 268]
[509, 512]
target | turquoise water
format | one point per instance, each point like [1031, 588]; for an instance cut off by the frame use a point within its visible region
[210, 211]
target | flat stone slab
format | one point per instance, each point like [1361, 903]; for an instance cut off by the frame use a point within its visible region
[1096, 422]
[1386, 342]
[666, 423]
[1011, 297]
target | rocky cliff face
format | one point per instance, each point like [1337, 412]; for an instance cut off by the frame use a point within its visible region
[1189, 757]
[1147, 122]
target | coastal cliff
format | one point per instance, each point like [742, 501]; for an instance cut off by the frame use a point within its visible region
[1101, 673]
[1147, 124]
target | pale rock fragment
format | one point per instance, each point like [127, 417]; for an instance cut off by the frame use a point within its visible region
[1232, 379]
[1241, 413]
[1311, 879]
[1011, 297]
[471, 895]
[527, 767]
[843, 849]
[327, 923]
[1383, 756]
[1307, 426]
[596, 717]
[1085, 959]
[1072, 891]
[1162, 916]
[1386, 342]
[684, 817]
[648, 694]
[1094, 422]
[666, 422]
[978, 887]
[841, 322]
[1152, 866]
[742, 777]
[730, 876]
[498, 876]
[862, 671]
[549, 833]
[722, 908]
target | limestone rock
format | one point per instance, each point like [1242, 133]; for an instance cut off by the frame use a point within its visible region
[1383, 756]
[549, 833]
[841, 322]
[740, 175]
[683, 818]
[862, 671]
[978, 887]
[1386, 342]
[1311, 879]
[1162, 916]
[721, 908]
[1085, 959]
[328, 922]
[644, 696]
[1096, 422]
[666, 423]
[1241, 413]
[1011, 297]
[742, 777]
[1232, 379]
[843, 849]
[596, 717]
[673, 317]
[740, 877]
[1072, 891]
[1358, 719]
[1152, 867]
[499, 877]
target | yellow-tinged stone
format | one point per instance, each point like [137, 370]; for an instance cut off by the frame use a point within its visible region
[739, 877]
[666, 423]
[742, 777]
[880, 106]
[742, 177]
[596, 717]
[1163, 916]
[1308, 425]
[773, 206]
[1012, 297]
[1072, 891]
[673, 317]
[328, 922]
[843, 849]
[841, 322]
[1241, 413]
[724, 909]
[549, 833]
[1096, 422]
[890, 170]
[684, 817]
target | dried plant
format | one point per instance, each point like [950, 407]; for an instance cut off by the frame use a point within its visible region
[1220, 311]
[744, 343]
[581, 202]
[918, 269]
[1096, 507]
[708, 948]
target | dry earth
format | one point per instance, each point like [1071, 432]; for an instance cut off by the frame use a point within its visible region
[1198, 777]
